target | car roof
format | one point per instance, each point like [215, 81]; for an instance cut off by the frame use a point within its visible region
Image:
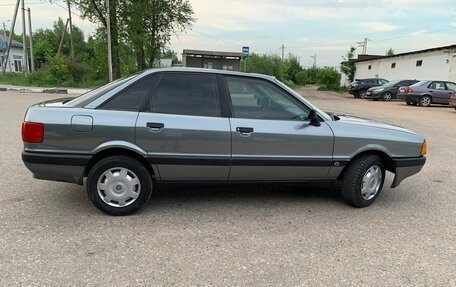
[208, 71]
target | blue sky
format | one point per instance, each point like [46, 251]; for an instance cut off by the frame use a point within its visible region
[305, 27]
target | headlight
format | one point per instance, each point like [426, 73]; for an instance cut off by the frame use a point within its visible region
[378, 90]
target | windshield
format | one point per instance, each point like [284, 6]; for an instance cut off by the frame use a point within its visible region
[90, 96]
[390, 84]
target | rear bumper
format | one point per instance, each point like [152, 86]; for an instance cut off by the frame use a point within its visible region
[406, 167]
[409, 97]
[56, 167]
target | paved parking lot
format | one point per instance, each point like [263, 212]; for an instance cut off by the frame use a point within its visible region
[51, 235]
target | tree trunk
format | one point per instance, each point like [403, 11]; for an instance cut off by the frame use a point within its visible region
[114, 40]
[140, 61]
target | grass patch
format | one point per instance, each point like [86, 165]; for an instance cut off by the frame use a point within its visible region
[333, 89]
[37, 79]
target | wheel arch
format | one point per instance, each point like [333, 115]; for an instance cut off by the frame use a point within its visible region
[124, 151]
[386, 159]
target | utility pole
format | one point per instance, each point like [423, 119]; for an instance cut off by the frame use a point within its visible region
[11, 35]
[315, 60]
[4, 31]
[108, 28]
[283, 51]
[364, 45]
[71, 29]
[32, 62]
[62, 37]
[24, 42]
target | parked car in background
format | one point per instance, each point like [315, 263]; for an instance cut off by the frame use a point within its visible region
[359, 87]
[453, 100]
[209, 126]
[388, 91]
[425, 93]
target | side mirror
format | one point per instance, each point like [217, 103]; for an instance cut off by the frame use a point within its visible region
[313, 117]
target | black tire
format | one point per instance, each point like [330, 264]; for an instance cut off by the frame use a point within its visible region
[136, 168]
[425, 101]
[356, 94]
[387, 96]
[409, 103]
[351, 184]
[362, 94]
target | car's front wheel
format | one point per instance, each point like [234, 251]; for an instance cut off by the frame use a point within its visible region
[362, 94]
[387, 96]
[119, 185]
[363, 180]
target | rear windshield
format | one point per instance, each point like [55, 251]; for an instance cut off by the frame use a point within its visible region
[419, 84]
[92, 95]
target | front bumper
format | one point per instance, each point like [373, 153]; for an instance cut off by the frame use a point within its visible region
[373, 95]
[56, 167]
[406, 167]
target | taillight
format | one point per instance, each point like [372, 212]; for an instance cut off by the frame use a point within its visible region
[409, 90]
[32, 132]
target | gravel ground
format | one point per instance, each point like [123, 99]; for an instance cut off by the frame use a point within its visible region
[51, 235]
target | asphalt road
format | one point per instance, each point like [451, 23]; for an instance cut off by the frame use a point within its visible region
[51, 235]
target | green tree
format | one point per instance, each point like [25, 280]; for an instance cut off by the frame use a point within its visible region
[301, 78]
[390, 52]
[348, 67]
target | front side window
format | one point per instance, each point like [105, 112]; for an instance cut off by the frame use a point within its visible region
[382, 82]
[186, 94]
[259, 99]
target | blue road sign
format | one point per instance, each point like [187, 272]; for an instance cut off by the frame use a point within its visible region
[246, 51]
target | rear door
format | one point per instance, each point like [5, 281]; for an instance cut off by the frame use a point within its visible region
[271, 136]
[183, 130]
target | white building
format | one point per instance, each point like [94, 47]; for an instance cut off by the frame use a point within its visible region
[429, 64]
[15, 59]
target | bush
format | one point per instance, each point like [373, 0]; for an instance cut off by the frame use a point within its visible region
[301, 78]
[328, 78]
[58, 69]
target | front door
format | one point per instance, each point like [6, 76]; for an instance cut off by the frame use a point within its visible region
[183, 131]
[271, 136]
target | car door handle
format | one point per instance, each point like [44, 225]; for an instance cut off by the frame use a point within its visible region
[244, 131]
[431, 91]
[156, 127]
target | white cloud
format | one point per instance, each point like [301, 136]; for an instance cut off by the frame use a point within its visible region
[379, 26]
[418, 33]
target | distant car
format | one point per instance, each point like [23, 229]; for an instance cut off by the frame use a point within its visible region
[426, 93]
[199, 125]
[360, 86]
[453, 100]
[388, 91]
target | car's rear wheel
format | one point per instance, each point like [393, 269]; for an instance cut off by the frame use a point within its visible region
[362, 94]
[425, 101]
[387, 96]
[119, 185]
[363, 180]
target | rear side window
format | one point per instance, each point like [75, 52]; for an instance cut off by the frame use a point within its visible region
[186, 94]
[437, 86]
[134, 96]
